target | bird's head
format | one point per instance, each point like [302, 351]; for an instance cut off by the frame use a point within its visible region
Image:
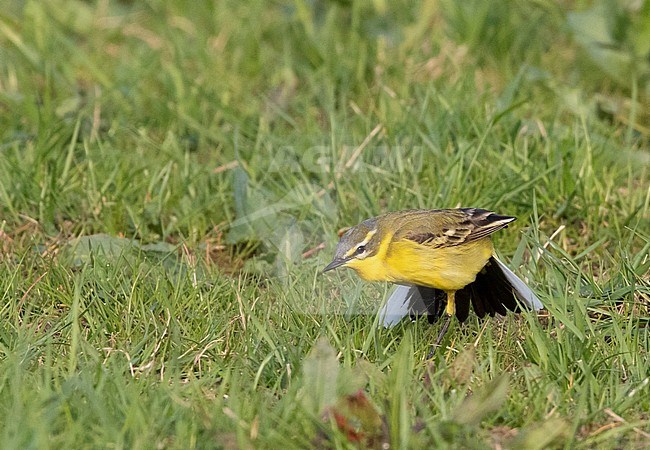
[356, 244]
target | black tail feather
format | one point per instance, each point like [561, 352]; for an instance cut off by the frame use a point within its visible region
[489, 294]
[434, 300]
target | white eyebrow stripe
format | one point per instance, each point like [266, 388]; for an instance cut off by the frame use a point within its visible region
[369, 236]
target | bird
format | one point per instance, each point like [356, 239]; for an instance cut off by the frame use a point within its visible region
[442, 260]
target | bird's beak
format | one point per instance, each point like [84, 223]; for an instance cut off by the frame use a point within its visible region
[334, 264]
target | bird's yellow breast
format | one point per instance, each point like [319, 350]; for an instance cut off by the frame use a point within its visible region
[404, 261]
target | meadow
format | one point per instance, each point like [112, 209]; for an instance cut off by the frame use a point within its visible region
[173, 176]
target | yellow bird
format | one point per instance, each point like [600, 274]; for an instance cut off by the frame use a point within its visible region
[441, 257]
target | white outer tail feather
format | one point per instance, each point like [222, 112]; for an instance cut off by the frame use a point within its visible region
[402, 301]
[526, 295]
[406, 299]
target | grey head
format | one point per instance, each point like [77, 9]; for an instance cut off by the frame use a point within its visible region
[358, 242]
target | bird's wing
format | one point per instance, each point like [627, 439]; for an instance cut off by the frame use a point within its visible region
[456, 226]
[412, 301]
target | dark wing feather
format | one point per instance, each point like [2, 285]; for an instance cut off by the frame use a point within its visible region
[485, 222]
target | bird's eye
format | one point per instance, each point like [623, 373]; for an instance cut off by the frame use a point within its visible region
[361, 249]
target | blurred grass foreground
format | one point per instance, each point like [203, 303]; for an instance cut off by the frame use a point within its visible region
[173, 176]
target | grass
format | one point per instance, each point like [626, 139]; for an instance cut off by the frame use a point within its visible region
[173, 174]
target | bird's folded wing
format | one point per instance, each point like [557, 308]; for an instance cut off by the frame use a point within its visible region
[458, 227]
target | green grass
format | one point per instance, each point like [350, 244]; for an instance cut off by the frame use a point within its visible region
[169, 171]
